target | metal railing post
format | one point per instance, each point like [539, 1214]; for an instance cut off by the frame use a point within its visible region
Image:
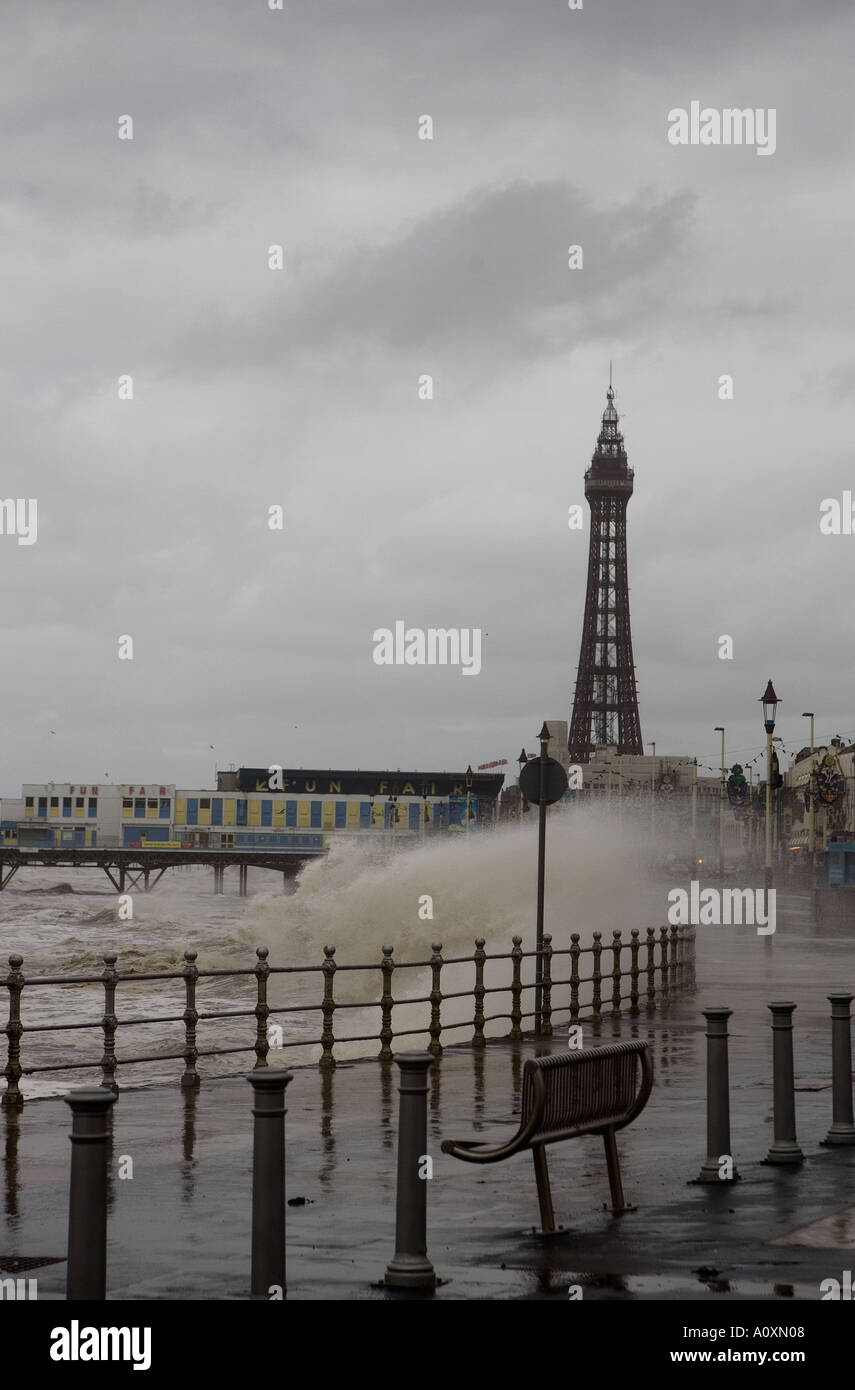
[842, 1129]
[478, 1039]
[387, 966]
[12, 1097]
[109, 1022]
[86, 1276]
[262, 1010]
[596, 952]
[410, 1268]
[663, 964]
[268, 1180]
[633, 971]
[190, 1079]
[435, 1044]
[546, 986]
[650, 943]
[516, 989]
[718, 1098]
[785, 1148]
[328, 1009]
[616, 950]
[575, 952]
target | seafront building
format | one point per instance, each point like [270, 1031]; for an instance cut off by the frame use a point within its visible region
[302, 808]
[251, 807]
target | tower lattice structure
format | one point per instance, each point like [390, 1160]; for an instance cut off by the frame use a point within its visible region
[605, 704]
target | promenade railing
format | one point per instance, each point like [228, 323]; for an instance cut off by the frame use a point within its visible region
[627, 976]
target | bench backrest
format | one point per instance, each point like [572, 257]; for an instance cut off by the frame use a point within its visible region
[585, 1089]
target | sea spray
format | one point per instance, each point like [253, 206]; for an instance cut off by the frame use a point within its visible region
[362, 896]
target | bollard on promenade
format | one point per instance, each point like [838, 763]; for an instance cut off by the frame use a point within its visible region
[784, 1148]
[86, 1276]
[268, 1180]
[842, 1129]
[411, 1268]
[718, 1099]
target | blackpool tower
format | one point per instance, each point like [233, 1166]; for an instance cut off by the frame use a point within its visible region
[605, 705]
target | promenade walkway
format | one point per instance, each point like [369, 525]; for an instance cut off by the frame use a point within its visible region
[180, 1229]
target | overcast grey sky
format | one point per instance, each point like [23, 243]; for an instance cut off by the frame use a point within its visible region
[402, 257]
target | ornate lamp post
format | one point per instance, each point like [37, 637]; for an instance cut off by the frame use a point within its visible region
[811, 813]
[694, 817]
[468, 794]
[653, 795]
[769, 701]
[393, 814]
[722, 793]
[522, 760]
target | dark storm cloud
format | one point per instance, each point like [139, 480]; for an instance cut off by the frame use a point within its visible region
[487, 275]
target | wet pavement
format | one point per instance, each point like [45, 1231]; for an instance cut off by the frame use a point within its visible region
[180, 1228]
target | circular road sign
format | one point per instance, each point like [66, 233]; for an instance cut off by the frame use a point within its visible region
[555, 781]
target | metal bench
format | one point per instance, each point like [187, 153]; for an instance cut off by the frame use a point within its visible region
[595, 1090]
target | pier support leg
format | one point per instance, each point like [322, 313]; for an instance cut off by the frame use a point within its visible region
[242, 879]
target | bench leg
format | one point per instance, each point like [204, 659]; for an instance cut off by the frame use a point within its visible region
[544, 1194]
[613, 1164]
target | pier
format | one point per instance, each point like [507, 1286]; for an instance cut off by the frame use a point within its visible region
[132, 868]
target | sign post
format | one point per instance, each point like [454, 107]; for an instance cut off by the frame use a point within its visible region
[542, 781]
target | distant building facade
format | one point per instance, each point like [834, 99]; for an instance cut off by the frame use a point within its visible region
[252, 807]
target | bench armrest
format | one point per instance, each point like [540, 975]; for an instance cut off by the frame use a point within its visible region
[468, 1149]
[473, 1150]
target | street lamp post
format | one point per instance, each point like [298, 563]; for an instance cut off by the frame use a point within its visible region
[720, 730]
[811, 820]
[653, 795]
[541, 881]
[468, 794]
[393, 816]
[694, 817]
[769, 701]
[522, 760]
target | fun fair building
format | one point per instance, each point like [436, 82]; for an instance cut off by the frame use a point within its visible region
[251, 807]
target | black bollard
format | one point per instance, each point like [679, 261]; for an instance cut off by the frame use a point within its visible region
[784, 1148]
[86, 1276]
[842, 1129]
[268, 1180]
[411, 1268]
[718, 1097]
